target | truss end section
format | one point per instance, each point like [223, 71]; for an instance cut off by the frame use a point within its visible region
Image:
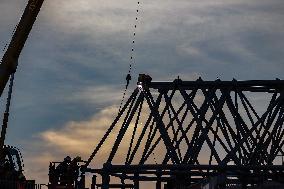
[144, 80]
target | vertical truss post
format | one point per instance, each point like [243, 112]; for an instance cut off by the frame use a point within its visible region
[158, 182]
[106, 175]
[94, 182]
[122, 183]
[136, 180]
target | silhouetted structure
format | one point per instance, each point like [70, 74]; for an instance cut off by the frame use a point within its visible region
[11, 173]
[200, 134]
[65, 174]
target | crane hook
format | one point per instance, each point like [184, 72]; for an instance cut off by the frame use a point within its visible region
[128, 79]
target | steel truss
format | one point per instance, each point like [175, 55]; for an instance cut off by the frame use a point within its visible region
[185, 133]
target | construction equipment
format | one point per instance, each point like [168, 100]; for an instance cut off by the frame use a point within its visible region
[10, 163]
[9, 62]
[65, 174]
[207, 134]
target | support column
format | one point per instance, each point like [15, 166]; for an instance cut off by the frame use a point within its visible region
[94, 182]
[105, 175]
[136, 181]
[222, 180]
[105, 181]
[158, 183]
[244, 182]
[122, 183]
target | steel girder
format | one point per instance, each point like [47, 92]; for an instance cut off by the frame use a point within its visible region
[219, 124]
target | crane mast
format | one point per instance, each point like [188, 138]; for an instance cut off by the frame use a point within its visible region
[9, 61]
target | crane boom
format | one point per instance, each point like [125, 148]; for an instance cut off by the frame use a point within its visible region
[9, 62]
[10, 59]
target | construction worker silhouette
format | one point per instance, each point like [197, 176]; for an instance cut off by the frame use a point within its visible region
[62, 170]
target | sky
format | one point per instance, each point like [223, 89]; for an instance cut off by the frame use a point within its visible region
[71, 73]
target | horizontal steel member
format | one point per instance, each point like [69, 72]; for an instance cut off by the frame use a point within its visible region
[117, 185]
[250, 85]
[185, 167]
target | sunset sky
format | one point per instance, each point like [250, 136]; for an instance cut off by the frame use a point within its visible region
[71, 73]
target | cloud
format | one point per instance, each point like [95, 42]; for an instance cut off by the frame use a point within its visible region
[75, 138]
[93, 17]
[83, 40]
[80, 137]
[99, 96]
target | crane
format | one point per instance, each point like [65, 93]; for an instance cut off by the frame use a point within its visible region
[8, 67]
[9, 62]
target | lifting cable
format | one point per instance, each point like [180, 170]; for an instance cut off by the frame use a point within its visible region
[8, 102]
[132, 57]
[7, 110]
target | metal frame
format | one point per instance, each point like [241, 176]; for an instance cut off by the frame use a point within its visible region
[188, 117]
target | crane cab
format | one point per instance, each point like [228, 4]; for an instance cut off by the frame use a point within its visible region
[11, 169]
[14, 158]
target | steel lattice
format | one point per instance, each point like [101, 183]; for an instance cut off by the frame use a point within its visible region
[215, 124]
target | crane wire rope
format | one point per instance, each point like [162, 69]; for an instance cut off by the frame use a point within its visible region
[128, 76]
[132, 57]
[7, 110]
[12, 76]
[10, 91]
[11, 84]
[132, 60]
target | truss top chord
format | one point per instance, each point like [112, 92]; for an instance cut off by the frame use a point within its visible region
[250, 85]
